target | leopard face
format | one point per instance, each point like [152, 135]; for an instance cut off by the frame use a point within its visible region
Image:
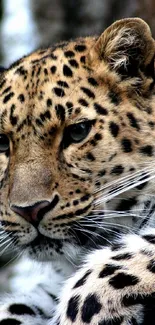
[76, 129]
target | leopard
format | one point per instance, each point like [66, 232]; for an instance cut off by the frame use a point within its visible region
[77, 194]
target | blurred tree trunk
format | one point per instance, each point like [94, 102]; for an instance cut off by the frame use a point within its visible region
[65, 19]
[56, 20]
[147, 12]
[48, 16]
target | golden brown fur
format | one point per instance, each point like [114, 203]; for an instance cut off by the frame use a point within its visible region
[74, 120]
[107, 81]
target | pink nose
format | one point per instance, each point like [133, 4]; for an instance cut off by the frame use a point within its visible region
[35, 212]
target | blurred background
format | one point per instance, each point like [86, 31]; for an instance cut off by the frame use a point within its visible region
[26, 25]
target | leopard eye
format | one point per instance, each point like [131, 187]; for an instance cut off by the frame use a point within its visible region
[76, 133]
[4, 143]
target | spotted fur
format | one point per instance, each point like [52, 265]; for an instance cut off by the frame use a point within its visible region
[77, 170]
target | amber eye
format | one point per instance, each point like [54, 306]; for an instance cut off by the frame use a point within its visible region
[4, 143]
[76, 133]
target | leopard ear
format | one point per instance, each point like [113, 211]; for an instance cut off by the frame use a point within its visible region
[127, 46]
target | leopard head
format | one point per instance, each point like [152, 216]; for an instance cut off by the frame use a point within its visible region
[76, 139]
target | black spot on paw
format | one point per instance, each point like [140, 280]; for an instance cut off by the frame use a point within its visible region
[125, 256]
[148, 303]
[21, 309]
[91, 306]
[73, 307]
[149, 238]
[82, 281]
[123, 280]
[10, 321]
[133, 299]
[151, 266]
[109, 269]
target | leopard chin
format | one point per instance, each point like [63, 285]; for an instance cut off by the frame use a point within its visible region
[65, 255]
[72, 249]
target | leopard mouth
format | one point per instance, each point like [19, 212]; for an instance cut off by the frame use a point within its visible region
[43, 241]
[43, 248]
[81, 239]
[46, 248]
[40, 240]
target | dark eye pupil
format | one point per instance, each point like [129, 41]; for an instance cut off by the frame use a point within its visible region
[4, 143]
[76, 133]
[79, 131]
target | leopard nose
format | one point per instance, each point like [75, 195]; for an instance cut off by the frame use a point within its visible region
[34, 213]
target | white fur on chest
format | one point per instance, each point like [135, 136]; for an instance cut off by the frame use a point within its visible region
[26, 275]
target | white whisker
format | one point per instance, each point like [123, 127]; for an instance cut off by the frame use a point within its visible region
[121, 185]
[89, 232]
[129, 177]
